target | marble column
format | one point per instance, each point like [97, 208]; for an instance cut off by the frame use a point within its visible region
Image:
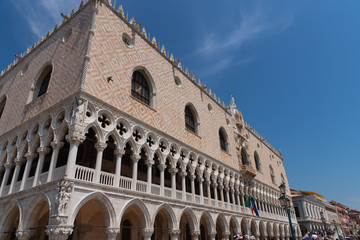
[18, 162]
[7, 166]
[135, 159]
[183, 175]
[29, 158]
[56, 146]
[200, 179]
[173, 172]
[149, 163]
[74, 141]
[42, 153]
[192, 178]
[162, 168]
[118, 153]
[100, 147]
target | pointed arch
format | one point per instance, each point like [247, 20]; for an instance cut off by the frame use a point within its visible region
[222, 221]
[33, 210]
[192, 119]
[257, 161]
[234, 225]
[41, 82]
[224, 140]
[208, 220]
[245, 226]
[97, 130]
[170, 216]
[188, 212]
[2, 105]
[141, 209]
[143, 86]
[105, 204]
[10, 212]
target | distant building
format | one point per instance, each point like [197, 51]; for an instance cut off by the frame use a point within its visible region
[343, 215]
[313, 212]
[355, 222]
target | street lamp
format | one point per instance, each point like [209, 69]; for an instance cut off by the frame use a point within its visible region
[323, 220]
[285, 202]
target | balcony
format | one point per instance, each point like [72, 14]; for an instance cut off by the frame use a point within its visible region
[248, 171]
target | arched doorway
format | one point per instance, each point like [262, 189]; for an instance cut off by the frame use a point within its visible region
[221, 227]
[164, 221]
[90, 222]
[38, 220]
[134, 219]
[206, 226]
[187, 224]
[10, 222]
[244, 227]
[233, 226]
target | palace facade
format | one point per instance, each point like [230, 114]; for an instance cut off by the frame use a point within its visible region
[105, 135]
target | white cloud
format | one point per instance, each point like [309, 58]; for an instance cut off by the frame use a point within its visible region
[220, 48]
[250, 26]
[42, 15]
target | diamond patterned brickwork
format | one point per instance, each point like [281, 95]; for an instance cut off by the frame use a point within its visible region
[67, 59]
[111, 57]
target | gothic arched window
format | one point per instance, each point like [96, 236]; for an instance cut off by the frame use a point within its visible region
[140, 88]
[42, 83]
[223, 140]
[257, 161]
[244, 160]
[2, 106]
[272, 175]
[190, 120]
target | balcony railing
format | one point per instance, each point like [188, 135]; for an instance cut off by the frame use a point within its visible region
[248, 171]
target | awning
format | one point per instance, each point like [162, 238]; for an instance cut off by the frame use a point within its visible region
[311, 193]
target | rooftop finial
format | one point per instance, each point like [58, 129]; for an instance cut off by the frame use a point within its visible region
[232, 104]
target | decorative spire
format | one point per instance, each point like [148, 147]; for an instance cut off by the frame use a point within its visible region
[132, 21]
[233, 107]
[171, 57]
[121, 10]
[153, 41]
[163, 49]
[143, 31]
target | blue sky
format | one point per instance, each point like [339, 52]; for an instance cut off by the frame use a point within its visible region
[293, 67]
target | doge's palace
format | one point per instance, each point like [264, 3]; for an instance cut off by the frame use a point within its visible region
[105, 135]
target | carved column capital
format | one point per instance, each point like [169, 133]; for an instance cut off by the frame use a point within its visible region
[100, 146]
[112, 232]
[183, 173]
[135, 157]
[173, 170]
[147, 232]
[30, 156]
[56, 145]
[58, 233]
[7, 165]
[162, 167]
[195, 233]
[24, 235]
[120, 152]
[149, 162]
[43, 150]
[19, 160]
[174, 232]
[192, 176]
[75, 138]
